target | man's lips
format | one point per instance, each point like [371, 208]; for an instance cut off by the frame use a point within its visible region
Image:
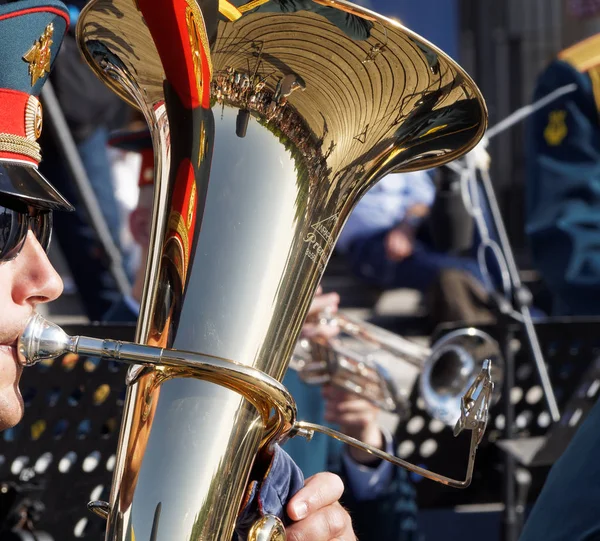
[10, 347]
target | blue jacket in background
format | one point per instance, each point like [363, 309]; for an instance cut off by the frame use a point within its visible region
[563, 224]
[563, 186]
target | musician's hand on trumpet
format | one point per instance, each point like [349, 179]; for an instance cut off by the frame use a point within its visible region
[318, 513]
[355, 416]
[320, 358]
[313, 326]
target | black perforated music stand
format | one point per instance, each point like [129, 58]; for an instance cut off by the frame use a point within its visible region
[63, 451]
[74, 406]
[545, 450]
[571, 347]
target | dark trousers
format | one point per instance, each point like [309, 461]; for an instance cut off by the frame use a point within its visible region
[368, 259]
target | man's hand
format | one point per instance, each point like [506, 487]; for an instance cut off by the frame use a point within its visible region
[317, 512]
[399, 243]
[357, 418]
[312, 327]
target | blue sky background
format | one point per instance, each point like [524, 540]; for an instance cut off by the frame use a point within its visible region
[441, 29]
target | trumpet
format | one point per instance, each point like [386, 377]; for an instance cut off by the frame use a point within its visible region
[447, 369]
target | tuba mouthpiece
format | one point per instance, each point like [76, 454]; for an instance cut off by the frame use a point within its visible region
[42, 340]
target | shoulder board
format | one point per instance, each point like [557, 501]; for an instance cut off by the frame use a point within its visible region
[583, 55]
[594, 74]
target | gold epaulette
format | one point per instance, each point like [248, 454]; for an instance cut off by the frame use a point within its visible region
[584, 55]
[233, 13]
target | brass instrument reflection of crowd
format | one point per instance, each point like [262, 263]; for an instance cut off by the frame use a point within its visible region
[250, 93]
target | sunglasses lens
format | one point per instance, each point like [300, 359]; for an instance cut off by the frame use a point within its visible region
[41, 225]
[13, 232]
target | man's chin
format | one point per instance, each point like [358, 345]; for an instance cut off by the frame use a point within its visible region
[9, 424]
[12, 409]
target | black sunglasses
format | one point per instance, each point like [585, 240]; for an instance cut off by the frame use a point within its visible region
[14, 226]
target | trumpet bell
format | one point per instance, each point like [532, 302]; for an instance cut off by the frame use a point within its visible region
[447, 370]
[451, 368]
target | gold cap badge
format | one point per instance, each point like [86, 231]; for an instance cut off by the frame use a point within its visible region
[39, 55]
[33, 119]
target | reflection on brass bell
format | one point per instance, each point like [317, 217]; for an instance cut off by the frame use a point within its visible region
[241, 123]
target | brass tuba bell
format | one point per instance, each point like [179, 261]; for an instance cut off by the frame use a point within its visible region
[269, 122]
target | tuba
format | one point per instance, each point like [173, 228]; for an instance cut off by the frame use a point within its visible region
[269, 119]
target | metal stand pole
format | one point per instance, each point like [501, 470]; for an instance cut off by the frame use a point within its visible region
[522, 297]
[513, 307]
[510, 521]
[523, 481]
[73, 162]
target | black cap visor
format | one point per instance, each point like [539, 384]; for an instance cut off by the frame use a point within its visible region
[23, 182]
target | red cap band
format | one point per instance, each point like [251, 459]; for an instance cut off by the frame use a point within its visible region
[20, 126]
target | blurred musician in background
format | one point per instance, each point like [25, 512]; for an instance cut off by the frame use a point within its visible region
[563, 224]
[379, 496]
[90, 110]
[563, 182]
[388, 243]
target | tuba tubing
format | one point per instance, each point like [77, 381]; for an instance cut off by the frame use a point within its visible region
[42, 340]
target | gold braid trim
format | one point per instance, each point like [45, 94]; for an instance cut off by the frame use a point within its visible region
[251, 5]
[229, 10]
[198, 39]
[594, 74]
[16, 144]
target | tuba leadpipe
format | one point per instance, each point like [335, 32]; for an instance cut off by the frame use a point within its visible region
[267, 128]
[42, 340]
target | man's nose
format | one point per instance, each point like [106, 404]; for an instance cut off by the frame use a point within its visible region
[37, 281]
